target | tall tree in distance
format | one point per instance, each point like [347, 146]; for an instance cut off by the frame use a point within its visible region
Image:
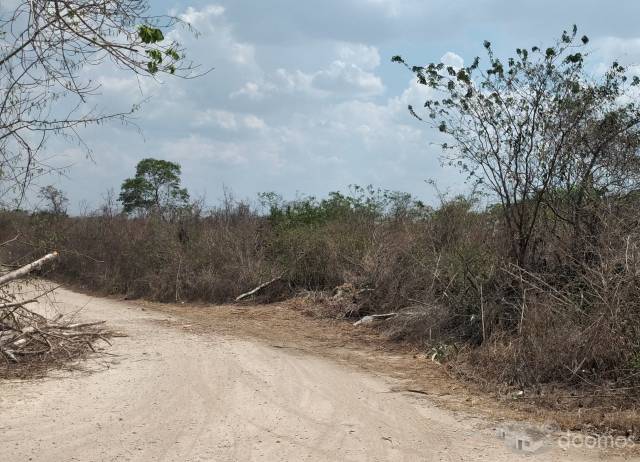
[45, 45]
[55, 200]
[155, 189]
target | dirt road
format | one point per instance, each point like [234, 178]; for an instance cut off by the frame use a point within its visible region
[171, 395]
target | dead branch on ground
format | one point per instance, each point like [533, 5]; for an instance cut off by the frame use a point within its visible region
[258, 289]
[30, 340]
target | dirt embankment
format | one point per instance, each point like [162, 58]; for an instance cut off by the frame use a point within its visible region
[249, 383]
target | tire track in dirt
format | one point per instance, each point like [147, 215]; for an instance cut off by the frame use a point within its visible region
[171, 395]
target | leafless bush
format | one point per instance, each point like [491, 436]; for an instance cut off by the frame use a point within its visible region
[568, 318]
[419, 324]
[212, 258]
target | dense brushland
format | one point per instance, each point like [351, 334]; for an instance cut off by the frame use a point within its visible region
[540, 287]
[446, 270]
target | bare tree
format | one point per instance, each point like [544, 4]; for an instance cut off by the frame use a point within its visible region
[44, 47]
[55, 199]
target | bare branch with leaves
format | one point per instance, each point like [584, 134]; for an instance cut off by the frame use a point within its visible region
[45, 49]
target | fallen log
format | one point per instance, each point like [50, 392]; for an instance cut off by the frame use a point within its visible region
[257, 289]
[81, 325]
[373, 318]
[21, 272]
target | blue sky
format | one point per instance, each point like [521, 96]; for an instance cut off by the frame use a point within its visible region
[304, 99]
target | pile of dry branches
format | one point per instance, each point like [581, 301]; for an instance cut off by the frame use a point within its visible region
[29, 341]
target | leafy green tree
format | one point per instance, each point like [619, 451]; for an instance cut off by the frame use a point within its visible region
[540, 133]
[155, 189]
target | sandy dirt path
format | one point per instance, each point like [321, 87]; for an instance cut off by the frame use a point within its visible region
[171, 395]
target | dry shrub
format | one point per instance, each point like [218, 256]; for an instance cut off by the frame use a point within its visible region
[345, 302]
[579, 326]
[210, 259]
[419, 324]
[569, 316]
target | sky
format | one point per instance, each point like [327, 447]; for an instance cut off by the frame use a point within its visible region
[303, 98]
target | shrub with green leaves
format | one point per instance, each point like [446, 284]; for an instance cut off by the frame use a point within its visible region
[540, 133]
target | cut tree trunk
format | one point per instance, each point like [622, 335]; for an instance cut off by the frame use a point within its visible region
[21, 272]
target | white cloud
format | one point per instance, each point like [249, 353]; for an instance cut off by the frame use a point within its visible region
[217, 118]
[626, 51]
[196, 148]
[251, 90]
[202, 17]
[452, 59]
[227, 120]
[254, 122]
[392, 8]
[282, 81]
[352, 74]
[364, 56]
[243, 53]
[285, 81]
[216, 38]
[612, 48]
[129, 86]
[341, 77]
[414, 94]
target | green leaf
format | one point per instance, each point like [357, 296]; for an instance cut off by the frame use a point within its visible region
[574, 58]
[150, 34]
[155, 55]
[172, 53]
[463, 76]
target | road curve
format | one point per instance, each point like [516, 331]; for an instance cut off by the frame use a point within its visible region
[171, 395]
